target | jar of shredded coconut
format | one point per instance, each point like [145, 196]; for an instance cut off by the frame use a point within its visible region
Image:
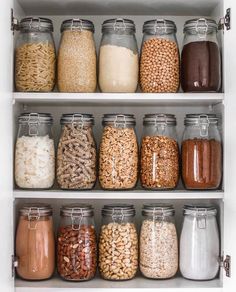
[34, 152]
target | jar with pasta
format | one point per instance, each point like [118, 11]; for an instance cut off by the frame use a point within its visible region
[159, 152]
[118, 160]
[76, 153]
[77, 57]
[35, 56]
[34, 152]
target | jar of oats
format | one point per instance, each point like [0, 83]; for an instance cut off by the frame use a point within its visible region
[118, 243]
[158, 242]
[76, 153]
[159, 152]
[118, 160]
[77, 57]
[35, 56]
[159, 66]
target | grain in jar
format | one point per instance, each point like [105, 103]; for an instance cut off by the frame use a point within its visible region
[77, 57]
[118, 243]
[118, 159]
[159, 65]
[76, 153]
[35, 56]
[159, 152]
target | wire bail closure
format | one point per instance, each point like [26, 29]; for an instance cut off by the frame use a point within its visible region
[117, 215]
[77, 27]
[161, 126]
[118, 123]
[157, 28]
[31, 217]
[204, 125]
[77, 120]
[117, 26]
[76, 219]
[33, 123]
[201, 219]
[200, 29]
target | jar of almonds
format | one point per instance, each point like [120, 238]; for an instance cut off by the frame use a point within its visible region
[118, 161]
[118, 243]
[159, 152]
[76, 243]
[159, 66]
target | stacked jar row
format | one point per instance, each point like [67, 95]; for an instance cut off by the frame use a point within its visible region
[120, 251]
[119, 69]
[76, 168]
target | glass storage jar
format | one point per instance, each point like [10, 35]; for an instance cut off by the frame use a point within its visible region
[118, 243]
[35, 55]
[118, 160]
[201, 152]
[158, 242]
[35, 244]
[199, 243]
[159, 152]
[77, 57]
[34, 152]
[159, 66]
[200, 60]
[76, 243]
[118, 56]
[76, 153]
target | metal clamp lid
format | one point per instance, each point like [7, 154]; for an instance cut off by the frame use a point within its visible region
[119, 120]
[77, 119]
[201, 26]
[159, 26]
[77, 24]
[118, 24]
[118, 211]
[36, 23]
[158, 210]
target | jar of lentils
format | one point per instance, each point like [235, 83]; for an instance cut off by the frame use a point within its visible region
[76, 153]
[76, 243]
[159, 66]
[118, 243]
[35, 56]
[118, 160]
[158, 242]
[77, 57]
[159, 152]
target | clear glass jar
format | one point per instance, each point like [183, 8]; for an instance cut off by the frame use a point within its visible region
[118, 56]
[118, 159]
[158, 242]
[201, 152]
[118, 243]
[76, 153]
[35, 152]
[159, 152]
[77, 57]
[159, 66]
[199, 243]
[200, 60]
[35, 244]
[76, 243]
[35, 56]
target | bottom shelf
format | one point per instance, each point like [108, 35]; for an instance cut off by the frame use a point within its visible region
[137, 284]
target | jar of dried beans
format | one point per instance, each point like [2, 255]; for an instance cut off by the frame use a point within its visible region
[201, 152]
[118, 57]
[34, 152]
[76, 153]
[200, 59]
[35, 244]
[35, 56]
[76, 243]
[159, 66]
[159, 152]
[77, 57]
[158, 242]
[118, 160]
[118, 243]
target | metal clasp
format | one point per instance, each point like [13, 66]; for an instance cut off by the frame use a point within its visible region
[160, 217]
[121, 122]
[157, 28]
[202, 28]
[119, 24]
[77, 120]
[117, 215]
[161, 126]
[201, 219]
[204, 125]
[33, 123]
[76, 219]
[76, 27]
[33, 218]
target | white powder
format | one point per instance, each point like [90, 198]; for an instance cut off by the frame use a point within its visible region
[118, 69]
[34, 162]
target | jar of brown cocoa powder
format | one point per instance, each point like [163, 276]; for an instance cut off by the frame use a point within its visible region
[201, 152]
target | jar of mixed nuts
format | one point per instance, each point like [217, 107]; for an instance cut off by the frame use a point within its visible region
[159, 152]
[77, 57]
[118, 243]
[118, 161]
[35, 152]
[35, 56]
[159, 66]
[158, 242]
[201, 152]
[118, 57]
[76, 153]
[76, 243]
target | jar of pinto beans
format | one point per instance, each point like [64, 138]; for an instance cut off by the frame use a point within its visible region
[159, 66]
